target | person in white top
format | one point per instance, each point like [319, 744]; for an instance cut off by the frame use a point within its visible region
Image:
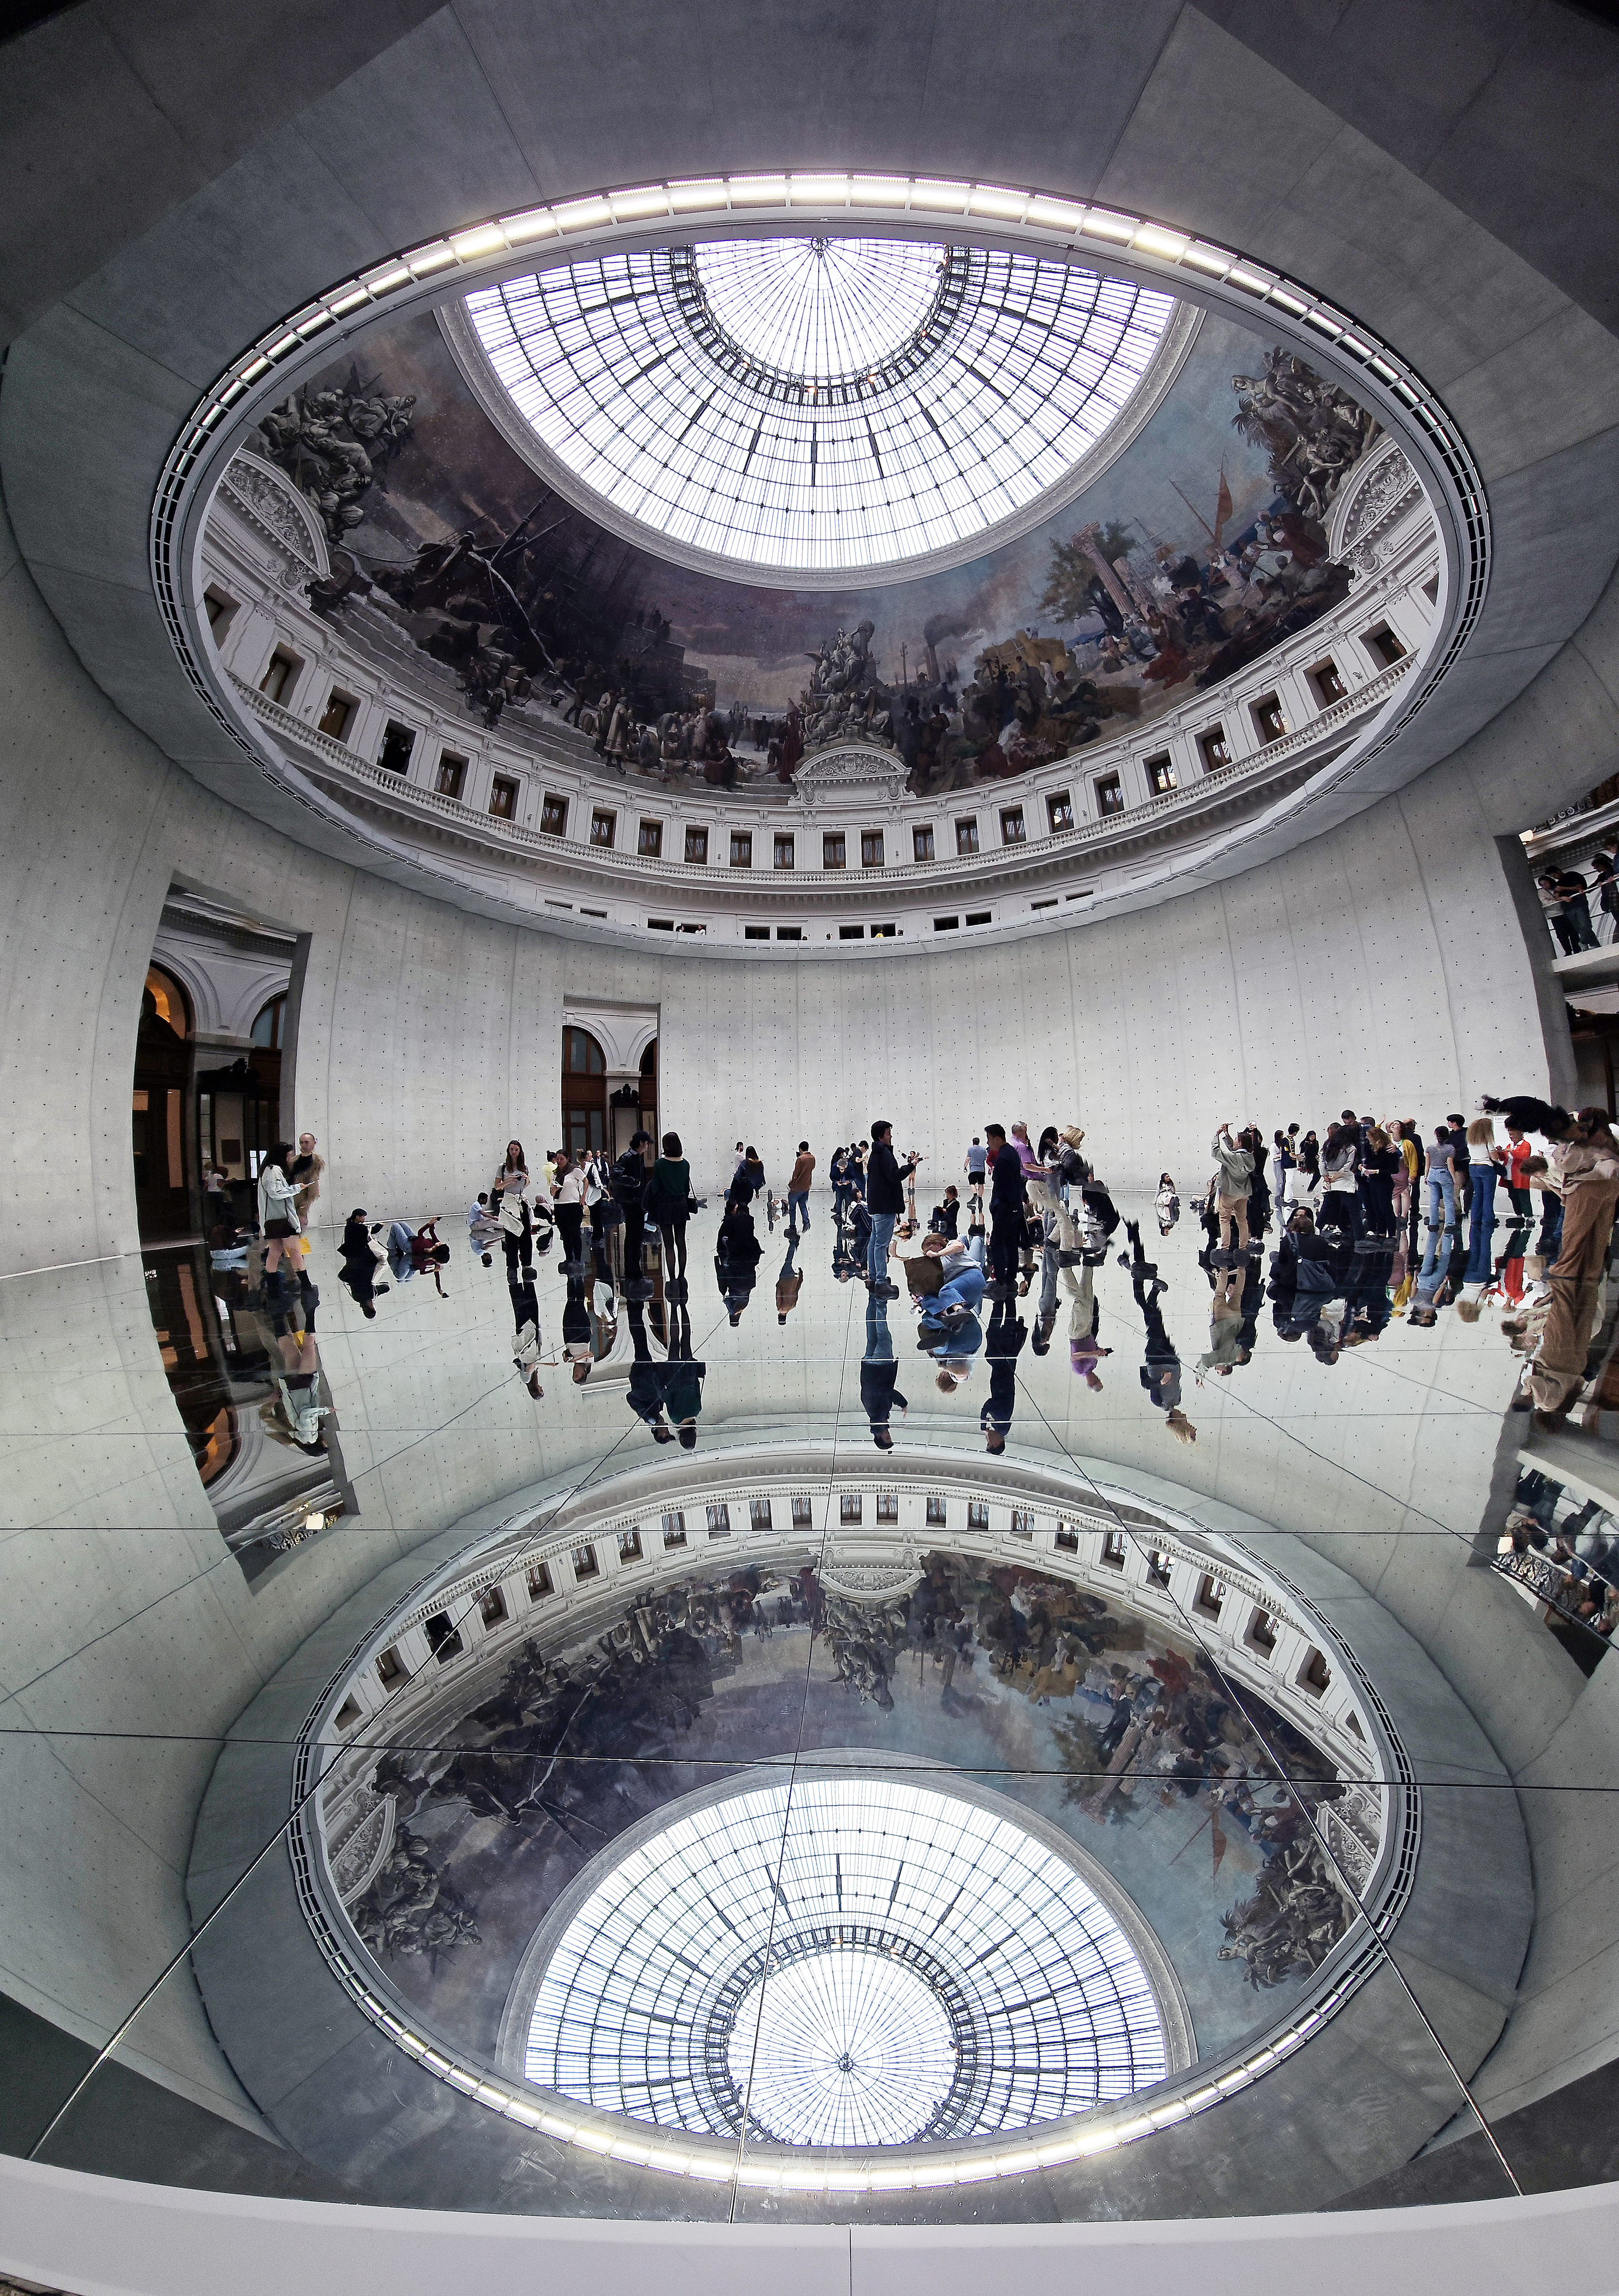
[277, 1209]
[570, 1195]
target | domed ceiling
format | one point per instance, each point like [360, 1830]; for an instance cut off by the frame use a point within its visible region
[929, 405]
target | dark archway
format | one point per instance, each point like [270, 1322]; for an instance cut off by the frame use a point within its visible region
[159, 1135]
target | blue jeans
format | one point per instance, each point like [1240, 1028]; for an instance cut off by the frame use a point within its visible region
[881, 1235]
[1441, 1188]
[964, 1288]
[798, 1202]
[1482, 1224]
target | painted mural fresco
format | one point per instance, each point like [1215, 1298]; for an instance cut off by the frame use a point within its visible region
[1123, 1736]
[1203, 545]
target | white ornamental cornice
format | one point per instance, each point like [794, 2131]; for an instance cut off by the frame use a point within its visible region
[1370, 508]
[856, 775]
[269, 501]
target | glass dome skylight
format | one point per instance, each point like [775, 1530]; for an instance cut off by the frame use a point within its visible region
[844, 1961]
[816, 404]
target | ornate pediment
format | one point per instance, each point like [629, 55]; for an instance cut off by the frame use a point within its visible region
[1370, 504]
[271, 502]
[851, 775]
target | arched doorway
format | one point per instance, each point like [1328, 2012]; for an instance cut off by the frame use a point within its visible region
[159, 1130]
[584, 1092]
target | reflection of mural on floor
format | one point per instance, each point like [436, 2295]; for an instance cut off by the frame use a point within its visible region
[1119, 1733]
[1199, 549]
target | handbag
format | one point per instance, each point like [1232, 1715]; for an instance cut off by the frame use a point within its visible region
[924, 1276]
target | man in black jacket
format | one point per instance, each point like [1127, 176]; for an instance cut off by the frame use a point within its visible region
[628, 1182]
[1008, 1199]
[885, 1178]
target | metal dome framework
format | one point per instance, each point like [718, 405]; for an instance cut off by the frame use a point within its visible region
[807, 405]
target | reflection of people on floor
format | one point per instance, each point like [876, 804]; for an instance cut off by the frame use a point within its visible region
[1003, 1344]
[790, 1283]
[646, 1378]
[1161, 1365]
[296, 1380]
[364, 1253]
[1085, 1350]
[576, 1347]
[738, 1253]
[879, 1396]
[682, 1376]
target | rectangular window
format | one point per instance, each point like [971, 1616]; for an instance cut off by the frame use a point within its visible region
[540, 1582]
[922, 843]
[220, 610]
[936, 1514]
[348, 1714]
[629, 1545]
[443, 1639]
[883, 932]
[280, 677]
[659, 925]
[871, 848]
[585, 1564]
[978, 916]
[742, 848]
[1068, 1540]
[801, 1517]
[491, 1606]
[452, 776]
[1113, 1549]
[399, 746]
[947, 925]
[604, 827]
[554, 815]
[1022, 1522]
[338, 715]
[1384, 647]
[789, 932]
[978, 1515]
[1430, 589]
[833, 853]
[1059, 811]
[888, 1506]
[1213, 749]
[390, 1669]
[1328, 685]
[697, 847]
[851, 932]
[649, 840]
[1261, 1636]
[1315, 1674]
[1269, 723]
[502, 798]
[1012, 824]
[759, 1514]
[1210, 1598]
[674, 1528]
[1109, 794]
[1160, 774]
[848, 1506]
[719, 1519]
[783, 853]
[966, 837]
[756, 932]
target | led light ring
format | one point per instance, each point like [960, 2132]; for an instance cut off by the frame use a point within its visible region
[1358, 1957]
[643, 215]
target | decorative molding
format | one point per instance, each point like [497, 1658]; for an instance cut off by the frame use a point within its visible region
[269, 501]
[854, 776]
[1368, 509]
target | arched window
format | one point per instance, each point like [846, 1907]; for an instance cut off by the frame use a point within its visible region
[584, 1092]
[581, 1054]
[168, 999]
[267, 1028]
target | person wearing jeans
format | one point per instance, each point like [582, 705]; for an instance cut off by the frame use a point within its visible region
[1008, 1194]
[1442, 1178]
[885, 1178]
[798, 1189]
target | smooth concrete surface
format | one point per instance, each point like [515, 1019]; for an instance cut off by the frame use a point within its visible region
[105, 2238]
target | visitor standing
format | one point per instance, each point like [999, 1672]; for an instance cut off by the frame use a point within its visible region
[798, 1189]
[886, 1181]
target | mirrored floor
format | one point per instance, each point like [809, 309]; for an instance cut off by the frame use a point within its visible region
[790, 1779]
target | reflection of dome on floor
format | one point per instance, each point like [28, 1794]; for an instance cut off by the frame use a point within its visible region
[845, 1960]
[849, 2045]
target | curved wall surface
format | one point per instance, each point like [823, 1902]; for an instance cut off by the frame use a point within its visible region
[1397, 957]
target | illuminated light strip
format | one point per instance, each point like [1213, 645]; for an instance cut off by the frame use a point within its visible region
[1043, 216]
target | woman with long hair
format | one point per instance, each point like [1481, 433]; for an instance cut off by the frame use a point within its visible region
[668, 1195]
